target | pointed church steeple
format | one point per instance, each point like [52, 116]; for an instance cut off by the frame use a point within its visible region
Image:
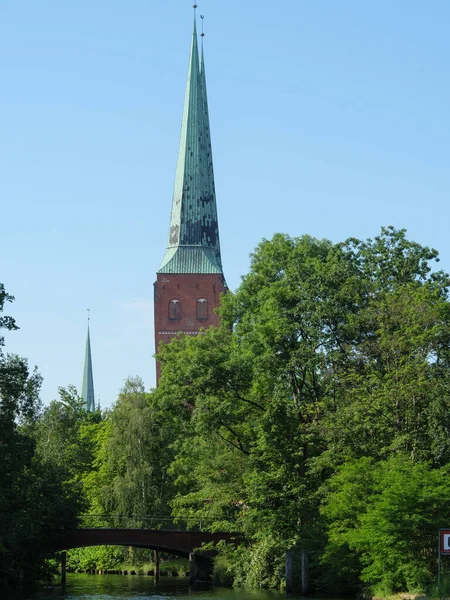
[193, 245]
[190, 282]
[87, 389]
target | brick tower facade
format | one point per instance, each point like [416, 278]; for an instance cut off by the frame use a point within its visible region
[190, 279]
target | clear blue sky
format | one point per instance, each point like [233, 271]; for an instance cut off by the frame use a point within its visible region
[328, 118]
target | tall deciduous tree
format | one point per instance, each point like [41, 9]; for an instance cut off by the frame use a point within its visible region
[35, 504]
[326, 353]
[133, 455]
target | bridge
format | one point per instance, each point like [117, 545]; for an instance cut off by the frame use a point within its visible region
[161, 534]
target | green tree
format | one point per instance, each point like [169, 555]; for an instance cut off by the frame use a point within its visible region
[260, 384]
[326, 353]
[36, 506]
[130, 475]
[392, 389]
[384, 516]
[65, 435]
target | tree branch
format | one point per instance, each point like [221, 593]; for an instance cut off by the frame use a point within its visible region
[239, 397]
[237, 446]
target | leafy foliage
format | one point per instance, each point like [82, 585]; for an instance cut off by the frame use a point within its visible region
[387, 513]
[315, 419]
[327, 354]
[130, 467]
[36, 505]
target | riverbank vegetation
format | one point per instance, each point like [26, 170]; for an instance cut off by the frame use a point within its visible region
[315, 419]
[37, 499]
[124, 559]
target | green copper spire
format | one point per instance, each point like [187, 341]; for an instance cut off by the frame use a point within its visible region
[193, 245]
[87, 389]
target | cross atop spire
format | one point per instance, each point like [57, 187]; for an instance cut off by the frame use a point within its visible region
[193, 245]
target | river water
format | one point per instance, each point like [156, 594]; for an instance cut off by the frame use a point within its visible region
[135, 587]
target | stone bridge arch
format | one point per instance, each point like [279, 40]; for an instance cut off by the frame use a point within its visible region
[180, 543]
[187, 544]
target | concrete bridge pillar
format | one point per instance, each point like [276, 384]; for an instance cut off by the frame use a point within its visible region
[200, 568]
[63, 568]
[156, 561]
[192, 568]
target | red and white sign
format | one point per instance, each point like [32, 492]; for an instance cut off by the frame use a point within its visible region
[445, 541]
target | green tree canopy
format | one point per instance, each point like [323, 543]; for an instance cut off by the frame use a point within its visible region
[36, 506]
[326, 353]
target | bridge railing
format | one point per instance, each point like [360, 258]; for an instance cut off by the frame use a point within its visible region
[141, 522]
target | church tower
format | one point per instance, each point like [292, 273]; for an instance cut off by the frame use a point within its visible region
[87, 388]
[190, 279]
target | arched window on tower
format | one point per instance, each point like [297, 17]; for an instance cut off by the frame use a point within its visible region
[202, 309]
[174, 310]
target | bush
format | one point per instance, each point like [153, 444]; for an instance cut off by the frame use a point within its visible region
[386, 515]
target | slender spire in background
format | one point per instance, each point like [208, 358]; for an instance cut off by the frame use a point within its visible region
[87, 389]
[193, 245]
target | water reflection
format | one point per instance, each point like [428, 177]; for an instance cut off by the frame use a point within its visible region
[135, 587]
